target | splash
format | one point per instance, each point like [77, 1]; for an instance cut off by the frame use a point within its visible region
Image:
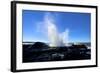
[49, 28]
[56, 39]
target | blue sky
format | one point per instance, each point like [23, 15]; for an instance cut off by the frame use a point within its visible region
[78, 24]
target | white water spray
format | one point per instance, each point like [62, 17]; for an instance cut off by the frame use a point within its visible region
[56, 39]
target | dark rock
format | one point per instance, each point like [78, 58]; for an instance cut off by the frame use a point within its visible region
[40, 45]
[79, 46]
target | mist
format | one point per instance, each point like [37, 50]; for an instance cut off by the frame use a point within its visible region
[56, 39]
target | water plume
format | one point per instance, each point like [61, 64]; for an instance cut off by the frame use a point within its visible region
[56, 39]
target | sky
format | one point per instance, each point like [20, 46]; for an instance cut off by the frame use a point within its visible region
[35, 25]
